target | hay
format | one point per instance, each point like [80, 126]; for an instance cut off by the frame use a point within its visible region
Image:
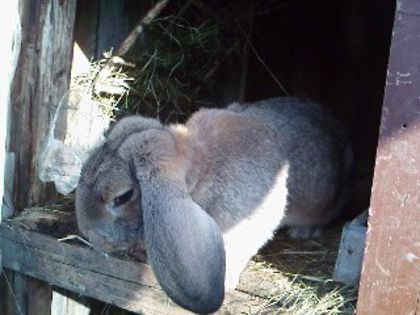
[295, 277]
[177, 65]
[171, 75]
[169, 78]
[108, 92]
[174, 67]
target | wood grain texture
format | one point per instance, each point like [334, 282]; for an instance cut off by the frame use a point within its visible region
[85, 29]
[34, 296]
[391, 271]
[23, 295]
[39, 297]
[126, 284]
[62, 304]
[7, 302]
[41, 79]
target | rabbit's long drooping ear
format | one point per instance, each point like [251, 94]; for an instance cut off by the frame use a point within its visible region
[184, 246]
[183, 243]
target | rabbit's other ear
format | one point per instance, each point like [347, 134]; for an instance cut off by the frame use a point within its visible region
[184, 245]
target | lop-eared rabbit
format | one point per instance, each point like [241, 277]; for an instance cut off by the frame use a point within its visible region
[203, 197]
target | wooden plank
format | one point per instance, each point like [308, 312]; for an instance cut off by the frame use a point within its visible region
[10, 40]
[391, 270]
[59, 304]
[115, 21]
[7, 300]
[24, 295]
[85, 29]
[70, 303]
[20, 294]
[39, 297]
[72, 272]
[77, 256]
[41, 79]
[62, 304]
[4, 288]
[126, 284]
[113, 26]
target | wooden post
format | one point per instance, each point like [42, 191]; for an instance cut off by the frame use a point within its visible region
[10, 40]
[39, 297]
[42, 77]
[7, 301]
[390, 281]
[22, 295]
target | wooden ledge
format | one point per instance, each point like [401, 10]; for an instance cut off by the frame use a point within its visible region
[126, 284]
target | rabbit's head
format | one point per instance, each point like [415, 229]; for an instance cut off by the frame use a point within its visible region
[108, 204]
[133, 195]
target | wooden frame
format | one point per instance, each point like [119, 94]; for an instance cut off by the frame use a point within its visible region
[390, 281]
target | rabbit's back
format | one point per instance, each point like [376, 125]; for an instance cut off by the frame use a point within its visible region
[252, 145]
[319, 153]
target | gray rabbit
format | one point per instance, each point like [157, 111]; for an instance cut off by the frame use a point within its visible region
[203, 197]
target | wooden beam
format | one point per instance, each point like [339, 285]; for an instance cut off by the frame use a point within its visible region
[390, 281]
[126, 284]
[10, 40]
[42, 77]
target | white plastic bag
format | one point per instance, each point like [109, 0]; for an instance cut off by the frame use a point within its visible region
[78, 127]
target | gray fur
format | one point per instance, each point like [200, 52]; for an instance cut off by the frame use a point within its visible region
[207, 195]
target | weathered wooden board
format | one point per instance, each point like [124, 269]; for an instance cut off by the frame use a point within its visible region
[31, 296]
[125, 284]
[7, 302]
[42, 78]
[85, 28]
[62, 304]
[101, 26]
[391, 272]
[23, 295]
[39, 297]
[10, 41]
[129, 285]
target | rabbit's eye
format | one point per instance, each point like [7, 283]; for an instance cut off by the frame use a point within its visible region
[122, 199]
